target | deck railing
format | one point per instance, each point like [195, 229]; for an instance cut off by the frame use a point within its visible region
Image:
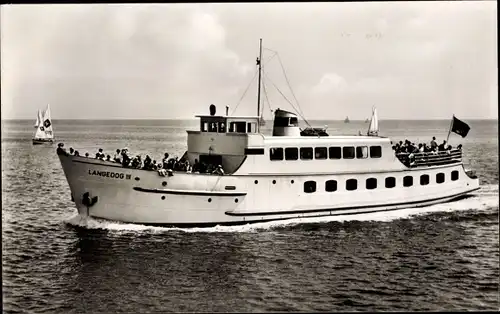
[430, 158]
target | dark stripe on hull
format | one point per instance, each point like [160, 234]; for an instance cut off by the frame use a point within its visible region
[288, 212]
[239, 223]
[195, 193]
[39, 142]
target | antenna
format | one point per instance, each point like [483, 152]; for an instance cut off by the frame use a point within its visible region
[258, 90]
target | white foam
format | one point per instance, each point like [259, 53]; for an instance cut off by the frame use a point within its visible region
[484, 199]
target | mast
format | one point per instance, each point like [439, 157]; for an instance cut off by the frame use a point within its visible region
[259, 63]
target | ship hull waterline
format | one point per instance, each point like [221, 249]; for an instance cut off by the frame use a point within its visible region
[108, 191]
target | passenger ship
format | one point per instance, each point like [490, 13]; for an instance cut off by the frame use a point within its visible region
[291, 174]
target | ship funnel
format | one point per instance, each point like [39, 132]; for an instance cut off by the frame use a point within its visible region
[285, 123]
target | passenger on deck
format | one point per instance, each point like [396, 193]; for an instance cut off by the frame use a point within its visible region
[434, 145]
[459, 147]
[125, 158]
[87, 155]
[420, 148]
[219, 171]
[117, 156]
[99, 154]
[108, 158]
[60, 149]
[147, 163]
[442, 147]
[154, 166]
[165, 161]
[196, 166]
[161, 171]
[71, 151]
[77, 153]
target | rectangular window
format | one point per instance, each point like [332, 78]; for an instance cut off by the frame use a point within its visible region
[204, 126]
[306, 153]
[375, 151]
[440, 177]
[254, 151]
[335, 152]
[331, 186]
[408, 181]
[390, 182]
[371, 183]
[454, 175]
[361, 152]
[320, 153]
[221, 127]
[310, 186]
[424, 179]
[348, 152]
[351, 184]
[291, 153]
[276, 153]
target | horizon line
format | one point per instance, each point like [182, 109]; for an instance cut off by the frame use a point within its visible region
[170, 119]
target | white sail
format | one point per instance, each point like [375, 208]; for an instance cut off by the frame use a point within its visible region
[38, 119]
[44, 130]
[373, 127]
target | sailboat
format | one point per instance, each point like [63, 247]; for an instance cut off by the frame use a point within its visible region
[43, 125]
[346, 120]
[373, 127]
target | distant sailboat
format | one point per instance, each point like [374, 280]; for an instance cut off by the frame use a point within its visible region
[262, 122]
[346, 120]
[367, 120]
[373, 127]
[43, 125]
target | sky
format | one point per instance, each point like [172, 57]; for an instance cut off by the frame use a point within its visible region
[411, 60]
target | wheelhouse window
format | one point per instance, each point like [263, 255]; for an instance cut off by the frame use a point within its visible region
[351, 184]
[371, 183]
[310, 186]
[306, 153]
[454, 175]
[251, 127]
[375, 151]
[390, 182]
[331, 186]
[424, 179]
[335, 152]
[286, 121]
[276, 153]
[237, 127]
[440, 177]
[320, 153]
[361, 152]
[291, 153]
[348, 152]
[408, 181]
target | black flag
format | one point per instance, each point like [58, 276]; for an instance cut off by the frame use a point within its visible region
[47, 123]
[460, 127]
[258, 61]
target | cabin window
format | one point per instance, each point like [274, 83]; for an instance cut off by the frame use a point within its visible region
[310, 186]
[371, 183]
[390, 182]
[276, 153]
[331, 186]
[237, 127]
[222, 127]
[294, 121]
[212, 127]
[204, 126]
[375, 151]
[348, 152]
[440, 177]
[408, 181]
[320, 153]
[335, 152]
[424, 179]
[306, 153]
[351, 184]
[291, 153]
[454, 175]
[361, 152]
[251, 127]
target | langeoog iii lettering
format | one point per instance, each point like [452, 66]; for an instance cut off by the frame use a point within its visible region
[107, 174]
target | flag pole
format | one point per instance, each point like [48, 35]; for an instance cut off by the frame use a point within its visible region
[449, 131]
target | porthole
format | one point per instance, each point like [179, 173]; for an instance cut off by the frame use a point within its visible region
[209, 200]
[137, 178]
[163, 197]
[236, 200]
[164, 183]
[274, 181]
[256, 181]
[292, 181]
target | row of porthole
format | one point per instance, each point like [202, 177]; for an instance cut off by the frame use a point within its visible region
[274, 181]
[209, 199]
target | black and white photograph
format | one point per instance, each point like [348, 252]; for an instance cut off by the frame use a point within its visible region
[250, 157]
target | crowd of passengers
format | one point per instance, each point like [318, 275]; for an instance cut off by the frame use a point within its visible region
[408, 147]
[123, 157]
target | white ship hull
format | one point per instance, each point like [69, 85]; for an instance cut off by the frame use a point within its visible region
[186, 199]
